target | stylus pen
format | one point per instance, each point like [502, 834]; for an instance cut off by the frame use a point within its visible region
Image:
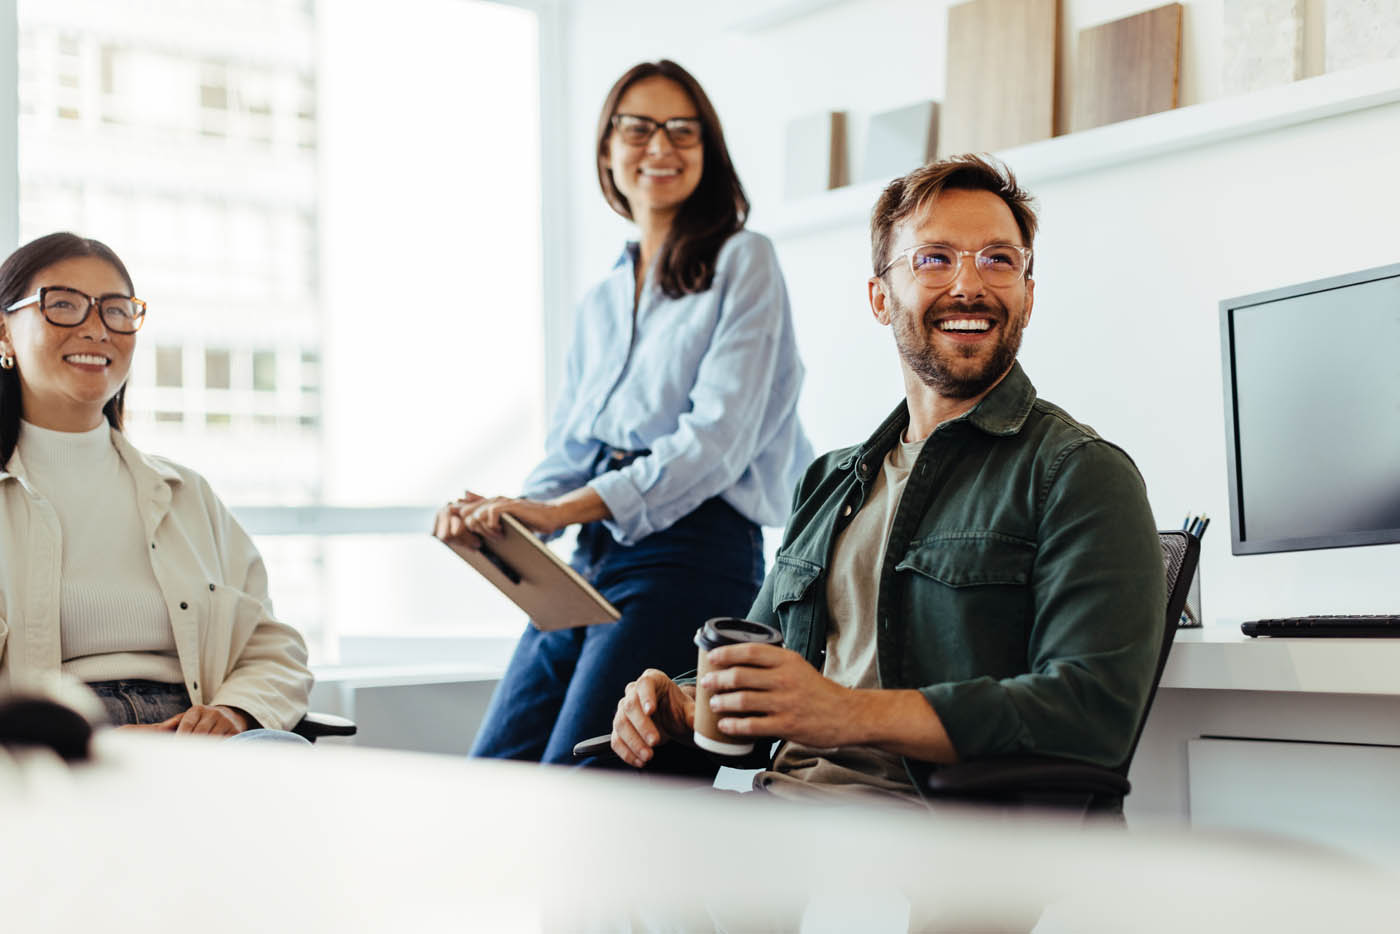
[1186, 523]
[1204, 522]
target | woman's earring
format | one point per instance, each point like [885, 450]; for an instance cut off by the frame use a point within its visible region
[7, 362]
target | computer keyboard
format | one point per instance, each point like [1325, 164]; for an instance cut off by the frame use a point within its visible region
[1334, 626]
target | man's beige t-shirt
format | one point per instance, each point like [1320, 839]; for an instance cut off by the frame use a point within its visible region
[852, 588]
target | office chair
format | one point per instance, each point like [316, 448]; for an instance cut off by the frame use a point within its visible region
[1020, 781]
[315, 725]
[1066, 784]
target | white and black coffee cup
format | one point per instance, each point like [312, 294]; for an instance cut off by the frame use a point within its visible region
[723, 630]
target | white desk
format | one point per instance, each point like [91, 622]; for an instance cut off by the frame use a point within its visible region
[165, 834]
[1221, 658]
[1297, 736]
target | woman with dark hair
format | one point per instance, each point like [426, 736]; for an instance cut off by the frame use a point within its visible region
[117, 568]
[675, 436]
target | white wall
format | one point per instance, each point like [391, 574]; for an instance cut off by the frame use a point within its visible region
[1131, 265]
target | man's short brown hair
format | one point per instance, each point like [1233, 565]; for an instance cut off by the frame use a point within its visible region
[969, 172]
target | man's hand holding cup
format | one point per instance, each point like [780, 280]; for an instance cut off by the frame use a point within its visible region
[655, 709]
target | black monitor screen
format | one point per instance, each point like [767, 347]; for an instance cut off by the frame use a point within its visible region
[1313, 400]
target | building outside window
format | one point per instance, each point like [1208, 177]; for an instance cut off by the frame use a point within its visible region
[275, 190]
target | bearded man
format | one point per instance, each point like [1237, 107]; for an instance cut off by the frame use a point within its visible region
[982, 577]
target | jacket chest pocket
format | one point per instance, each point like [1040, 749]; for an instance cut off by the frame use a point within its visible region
[793, 580]
[972, 591]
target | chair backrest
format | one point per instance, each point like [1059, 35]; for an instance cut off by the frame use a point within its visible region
[1181, 552]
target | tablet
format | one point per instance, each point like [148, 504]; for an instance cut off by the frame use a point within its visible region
[537, 580]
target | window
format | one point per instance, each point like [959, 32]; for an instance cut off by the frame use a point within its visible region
[170, 368]
[264, 371]
[213, 96]
[217, 369]
[258, 186]
[310, 372]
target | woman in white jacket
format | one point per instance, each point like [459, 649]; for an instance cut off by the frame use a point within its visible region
[117, 568]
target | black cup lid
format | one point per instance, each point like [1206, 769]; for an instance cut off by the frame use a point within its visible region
[725, 630]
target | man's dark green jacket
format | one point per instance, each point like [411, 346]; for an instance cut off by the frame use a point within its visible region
[1022, 590]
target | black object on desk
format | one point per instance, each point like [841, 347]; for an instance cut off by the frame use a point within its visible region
[43, 721]
[1191, 611]
[1334, 626]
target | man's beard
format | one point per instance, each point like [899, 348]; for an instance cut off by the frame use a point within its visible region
[937, 368]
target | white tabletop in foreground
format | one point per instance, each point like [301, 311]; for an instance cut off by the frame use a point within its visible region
[169, 834]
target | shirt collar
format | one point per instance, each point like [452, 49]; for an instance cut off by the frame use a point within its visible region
[631, 253]
[14, 469]
[135, 458]
[1002, 412]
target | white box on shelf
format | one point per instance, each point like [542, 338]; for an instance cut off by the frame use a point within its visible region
[1263, 44]
[816, 154]
[1361, 32]
[898, 141]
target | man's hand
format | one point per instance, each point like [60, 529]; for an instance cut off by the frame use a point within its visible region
[782, 695]
[785, 697]
[653, 709]
[203, 719]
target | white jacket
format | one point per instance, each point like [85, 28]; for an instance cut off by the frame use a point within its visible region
[215, 586]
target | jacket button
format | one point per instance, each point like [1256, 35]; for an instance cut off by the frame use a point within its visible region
[211, 588]
[184, 605]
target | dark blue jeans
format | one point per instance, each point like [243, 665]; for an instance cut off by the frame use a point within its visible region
[563, 687]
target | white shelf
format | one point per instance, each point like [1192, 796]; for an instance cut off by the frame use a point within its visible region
[1154, 135]
[1221, 658]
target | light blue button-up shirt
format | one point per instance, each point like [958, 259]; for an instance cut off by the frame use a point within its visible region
[707, 382]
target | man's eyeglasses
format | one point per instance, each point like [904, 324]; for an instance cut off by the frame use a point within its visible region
[68, 308]
[937, 264]
[683, 132]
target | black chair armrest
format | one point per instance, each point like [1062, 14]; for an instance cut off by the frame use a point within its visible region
[674, 760]
[315, 725]
[598, 746]
[42, 721]
[1025, 776]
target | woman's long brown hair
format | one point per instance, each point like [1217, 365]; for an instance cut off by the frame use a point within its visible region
[716, 209]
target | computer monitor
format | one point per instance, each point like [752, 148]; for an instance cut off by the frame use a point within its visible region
[1312, 413]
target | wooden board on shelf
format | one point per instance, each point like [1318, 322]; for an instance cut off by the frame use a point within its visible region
[1128, 68]
[1001, 75]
